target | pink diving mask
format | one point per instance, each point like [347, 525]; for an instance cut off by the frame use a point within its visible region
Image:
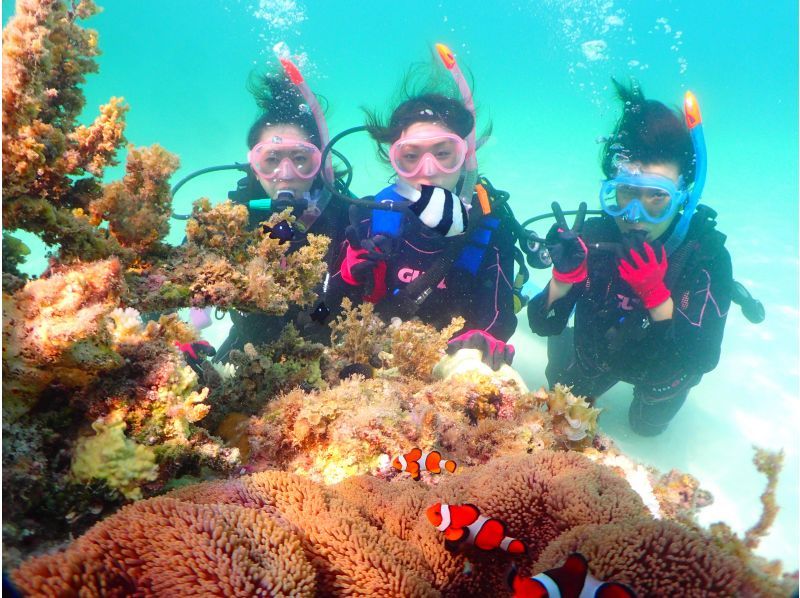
[285, 158]
[428, 154]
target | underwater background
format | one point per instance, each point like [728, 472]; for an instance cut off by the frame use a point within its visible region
[542, 78]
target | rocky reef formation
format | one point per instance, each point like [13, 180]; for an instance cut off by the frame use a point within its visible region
[99, 407]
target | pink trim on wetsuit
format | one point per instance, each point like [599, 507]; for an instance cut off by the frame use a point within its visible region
[708, 297]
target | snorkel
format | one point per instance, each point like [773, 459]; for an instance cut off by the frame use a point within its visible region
[471, 160]
[694, 122]
[296, 78]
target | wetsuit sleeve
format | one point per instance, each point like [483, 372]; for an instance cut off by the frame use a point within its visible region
[690, 342]
[491, 304]
[550, 322]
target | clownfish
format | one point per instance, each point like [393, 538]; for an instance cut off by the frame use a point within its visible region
[464, 523]
[570, 580]
[416, 462]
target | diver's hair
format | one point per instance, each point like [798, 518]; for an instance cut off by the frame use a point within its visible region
[649, 132]
[427, 95]
[281, 103]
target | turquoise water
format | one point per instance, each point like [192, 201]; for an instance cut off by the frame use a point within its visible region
[541, 74]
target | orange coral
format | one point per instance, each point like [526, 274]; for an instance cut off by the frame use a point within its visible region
[168, 547]
[46, 57]
[137, 208]
[657, 558]
[368, 536]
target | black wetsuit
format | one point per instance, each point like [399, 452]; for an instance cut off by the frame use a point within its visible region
[258, 328]
[478, 285]
[614, 337]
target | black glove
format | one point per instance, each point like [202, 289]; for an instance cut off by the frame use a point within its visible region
[567, 249]
[635, 239]
[563, 242]
[364, 255]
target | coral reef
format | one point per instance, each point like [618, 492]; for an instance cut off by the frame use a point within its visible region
[54, 332]
[679, 496]
[112, 457]
[101, 408]
[412, 348]
[180, 549]
[263, 372]
[369, 536]
[466, 361]
[51, 165]
[75, 350]
[359, 425]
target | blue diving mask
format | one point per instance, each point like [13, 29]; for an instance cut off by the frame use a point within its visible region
[638, 196]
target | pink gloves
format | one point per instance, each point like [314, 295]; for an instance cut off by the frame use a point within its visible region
[646, 276]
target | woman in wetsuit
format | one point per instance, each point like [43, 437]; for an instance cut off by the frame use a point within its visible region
[650, 280]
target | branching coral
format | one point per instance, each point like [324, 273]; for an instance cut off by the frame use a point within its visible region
[413, 348]
[357, 334]
[417, 347]
[137, 208]
[368, 536]
[46, 57]
[221, 229]
[260, 373]
[770, 465]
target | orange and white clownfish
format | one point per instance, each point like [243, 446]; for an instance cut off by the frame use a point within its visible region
[416, 461]
[570, 580]
[464, 523]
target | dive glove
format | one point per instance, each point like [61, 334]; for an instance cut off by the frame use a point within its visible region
[365, 261]
[645, 274]
[494, 351]
[567, 249]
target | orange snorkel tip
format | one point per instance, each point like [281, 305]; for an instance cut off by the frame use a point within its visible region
[291, 71]
[691, 110]
[447, 56]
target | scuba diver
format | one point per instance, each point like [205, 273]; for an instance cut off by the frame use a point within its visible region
[284, 170]
[444, 253]
[650, 279]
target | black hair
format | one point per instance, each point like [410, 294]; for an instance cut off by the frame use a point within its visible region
[427, 95]
[648, 132]
[281, 103]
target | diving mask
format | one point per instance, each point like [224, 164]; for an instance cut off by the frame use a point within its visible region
[428, 154]
[634, 196]
[285, 158]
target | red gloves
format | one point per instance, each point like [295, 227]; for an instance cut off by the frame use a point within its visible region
[646, 276]
[195, 353]
[359, 268]
[495, 352]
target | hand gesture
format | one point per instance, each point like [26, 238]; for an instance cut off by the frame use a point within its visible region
[566, 247]
[645, 272]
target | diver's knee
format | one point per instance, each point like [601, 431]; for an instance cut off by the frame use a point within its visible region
[640, 425]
